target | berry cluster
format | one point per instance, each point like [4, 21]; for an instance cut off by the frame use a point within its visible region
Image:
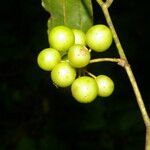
[69, 54]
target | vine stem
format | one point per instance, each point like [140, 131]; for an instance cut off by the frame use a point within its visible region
[105, 5]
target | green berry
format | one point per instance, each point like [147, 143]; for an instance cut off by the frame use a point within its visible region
[61, 38]
[79, 56]
[105, 85]
[48, 58]
[79, 37]
[99, 38]
[63, 74]
[84, 89]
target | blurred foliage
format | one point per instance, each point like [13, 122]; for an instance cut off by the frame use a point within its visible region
[36, 115]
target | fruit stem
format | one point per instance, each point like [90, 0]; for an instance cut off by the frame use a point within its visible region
[104, 6]
[90, 74]
[119, 61]
[105, 59]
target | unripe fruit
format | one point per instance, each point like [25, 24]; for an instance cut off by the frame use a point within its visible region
[79, 37]
[63, 74]
[61, 38]
[79, 56]
[48, 58]
[84, 89]
[99, 38]
[105, 85]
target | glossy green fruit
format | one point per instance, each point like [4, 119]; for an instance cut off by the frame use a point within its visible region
[99, 38]
[84, 89]
[79, 37]
[79, 56]
[48, 58]
[105, 85]
[63, 74]
[61, 38]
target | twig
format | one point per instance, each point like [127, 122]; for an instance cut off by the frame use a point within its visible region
[104, 59]
[104, 6]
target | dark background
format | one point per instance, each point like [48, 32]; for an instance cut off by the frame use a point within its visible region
[35, 115]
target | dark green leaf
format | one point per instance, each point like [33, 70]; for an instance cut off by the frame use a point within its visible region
[72, 13]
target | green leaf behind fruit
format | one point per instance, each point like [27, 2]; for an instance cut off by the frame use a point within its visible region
[72, 13]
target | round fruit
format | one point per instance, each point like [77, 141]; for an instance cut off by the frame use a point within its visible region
[63, 74]
[48, 58]
[99, 38]
[61, 38]
[105, 85]
[79, 56]
[79, 36]
[84, 89]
